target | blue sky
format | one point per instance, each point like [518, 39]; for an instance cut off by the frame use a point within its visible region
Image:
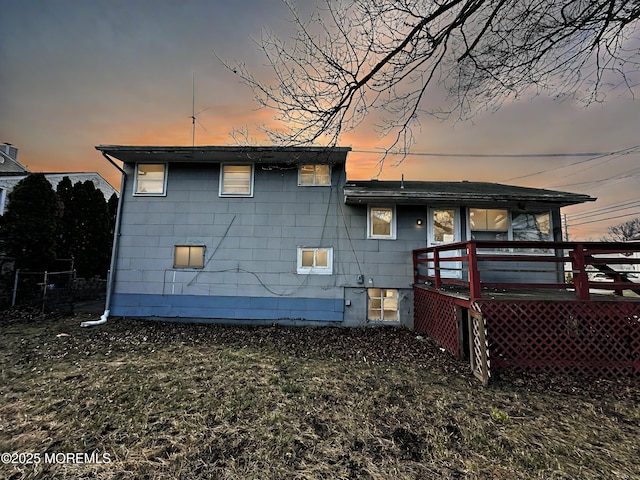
[78, 73]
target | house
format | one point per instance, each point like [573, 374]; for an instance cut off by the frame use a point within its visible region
[9, 159]
[9, 167]
[9, 180]
[270, 234]
[12, 172]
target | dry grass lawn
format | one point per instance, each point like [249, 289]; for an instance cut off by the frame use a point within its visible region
[184, 401]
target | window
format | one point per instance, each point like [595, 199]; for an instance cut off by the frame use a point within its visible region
[236, 180]
[189, 256]
[314, 175]
[531, 226]
[444, 225]
[382, 305]
[381, 223]
[151, 179]
[489, 224]
[313, 260]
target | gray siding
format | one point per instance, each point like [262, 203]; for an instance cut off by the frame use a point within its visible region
[251, 243]
[250, 267]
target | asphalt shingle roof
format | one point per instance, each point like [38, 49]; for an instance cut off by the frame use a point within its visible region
[454, 193]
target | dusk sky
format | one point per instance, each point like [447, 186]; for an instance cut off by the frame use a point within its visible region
[75, 74]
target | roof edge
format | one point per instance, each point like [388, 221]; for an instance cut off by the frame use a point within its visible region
[218, 148]
[227, 153]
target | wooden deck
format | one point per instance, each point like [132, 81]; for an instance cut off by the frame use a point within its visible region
[533, 330]
[505, 309]
[543, 294]
[542, 269]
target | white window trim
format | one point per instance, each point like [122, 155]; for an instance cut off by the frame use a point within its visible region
[509, 230]
[300, 184]
[510, 213]
[164, 184]
[392, 235]
[237, 195]
[315, 270]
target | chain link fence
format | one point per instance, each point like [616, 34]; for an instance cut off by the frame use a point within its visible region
[51, 292]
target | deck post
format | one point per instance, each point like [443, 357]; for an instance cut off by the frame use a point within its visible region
[436, 268]
[580, 277]
[618, 279]
[474, 274]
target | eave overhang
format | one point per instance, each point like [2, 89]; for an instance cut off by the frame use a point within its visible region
[221, 154]
[479, 194]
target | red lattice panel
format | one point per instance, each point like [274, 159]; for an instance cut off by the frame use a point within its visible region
[437, 316]
[595, 338]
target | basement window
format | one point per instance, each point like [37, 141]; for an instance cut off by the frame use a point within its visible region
[150, 179]
[188, 256]
[382, 305]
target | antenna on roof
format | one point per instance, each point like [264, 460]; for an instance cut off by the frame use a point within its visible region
[194, 114]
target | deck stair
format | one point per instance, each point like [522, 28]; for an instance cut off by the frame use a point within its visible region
[617, 276]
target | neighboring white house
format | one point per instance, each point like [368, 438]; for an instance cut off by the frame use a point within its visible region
[9, 159]
[12, 172]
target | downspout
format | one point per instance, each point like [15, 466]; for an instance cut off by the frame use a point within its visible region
[114, 250]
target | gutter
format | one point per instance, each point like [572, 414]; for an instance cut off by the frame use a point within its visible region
[114, 251]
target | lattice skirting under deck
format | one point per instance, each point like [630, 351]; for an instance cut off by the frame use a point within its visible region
[436, 315]
[595, 338]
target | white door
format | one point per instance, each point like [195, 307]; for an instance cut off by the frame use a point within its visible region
[443, 228]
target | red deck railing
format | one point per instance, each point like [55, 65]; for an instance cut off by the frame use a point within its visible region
[571, 266]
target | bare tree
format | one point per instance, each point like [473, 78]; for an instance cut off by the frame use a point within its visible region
[349, 59]
[624, 232]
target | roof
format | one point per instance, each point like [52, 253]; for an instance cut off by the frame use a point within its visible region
[455, 193]
[8, 164]
[8, 180]
[219, 154]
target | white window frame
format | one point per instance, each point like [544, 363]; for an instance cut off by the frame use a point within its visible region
[199, 265]
[393, 229]
[221, 193]
[315, 270]
[508, 230]
[548, 212]
[315, 167]
[136, 193]
[382, 308]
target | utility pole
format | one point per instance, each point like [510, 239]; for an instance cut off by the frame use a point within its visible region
[566, 228]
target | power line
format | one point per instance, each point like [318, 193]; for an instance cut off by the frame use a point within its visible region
[605, 210]
[487, 155]
[593, 156]
[625, 151]
[596, 165]
[605, 219]
[620, 176]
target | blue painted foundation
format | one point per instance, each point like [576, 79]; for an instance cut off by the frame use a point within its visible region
[229, 308]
